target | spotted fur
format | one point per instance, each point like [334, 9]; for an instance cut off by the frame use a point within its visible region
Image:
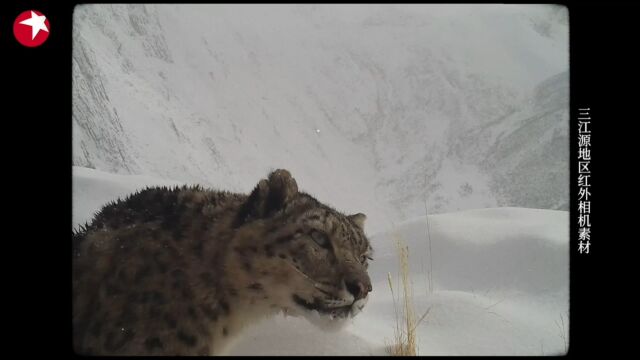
[180, 271]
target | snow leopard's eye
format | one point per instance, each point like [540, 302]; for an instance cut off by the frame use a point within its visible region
[320, 238]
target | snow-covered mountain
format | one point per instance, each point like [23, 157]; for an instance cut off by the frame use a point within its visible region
[373, 108]
[381, 109]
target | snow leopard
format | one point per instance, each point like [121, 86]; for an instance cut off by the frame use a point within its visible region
[183, 270]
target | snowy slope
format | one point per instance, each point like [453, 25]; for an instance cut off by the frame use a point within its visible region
[381, 109]
[374, 107]
[501, 288]
[500, 281]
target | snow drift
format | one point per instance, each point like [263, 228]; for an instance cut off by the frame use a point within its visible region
[500, 282]
[396, 111]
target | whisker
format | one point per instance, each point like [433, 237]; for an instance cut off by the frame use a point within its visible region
[322, 290]
[308, 278]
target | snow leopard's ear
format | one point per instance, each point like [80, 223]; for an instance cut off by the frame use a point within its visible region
[268, 197]
[282, 189]
[358, 219]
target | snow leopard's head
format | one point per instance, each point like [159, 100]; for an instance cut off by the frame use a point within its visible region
[302, 256]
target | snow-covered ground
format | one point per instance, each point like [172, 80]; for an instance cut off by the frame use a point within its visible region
[396, 111]
[500, 282]
[500, 288]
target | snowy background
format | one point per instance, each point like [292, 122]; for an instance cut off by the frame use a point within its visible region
[388, 110]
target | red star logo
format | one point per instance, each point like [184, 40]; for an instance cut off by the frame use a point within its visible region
[31, 28]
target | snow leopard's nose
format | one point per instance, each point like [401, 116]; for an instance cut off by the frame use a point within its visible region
[358, 288]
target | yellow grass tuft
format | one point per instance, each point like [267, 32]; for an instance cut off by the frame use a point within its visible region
[405, 343]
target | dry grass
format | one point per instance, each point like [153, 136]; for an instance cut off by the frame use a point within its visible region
[404, 343]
